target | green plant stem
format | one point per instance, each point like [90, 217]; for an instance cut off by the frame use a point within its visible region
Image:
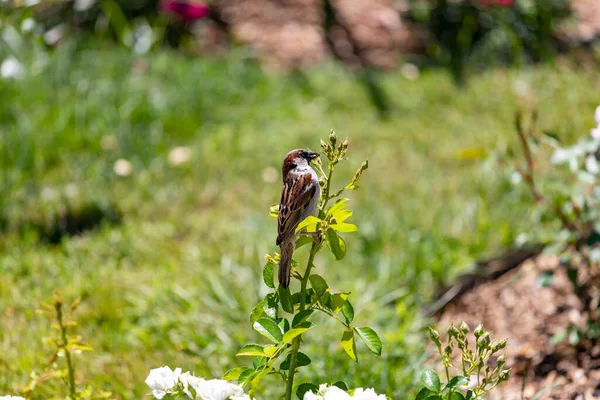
[296, 342]
[65, 342]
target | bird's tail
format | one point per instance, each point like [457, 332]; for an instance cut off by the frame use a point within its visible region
[285, 264]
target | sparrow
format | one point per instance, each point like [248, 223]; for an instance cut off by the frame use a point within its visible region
[299, 199]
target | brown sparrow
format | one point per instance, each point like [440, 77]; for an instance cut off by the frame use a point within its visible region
[299, 199]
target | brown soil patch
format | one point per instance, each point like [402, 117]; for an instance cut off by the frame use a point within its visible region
[517, 306]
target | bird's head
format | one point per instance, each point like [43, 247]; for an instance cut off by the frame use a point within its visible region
[298, 158]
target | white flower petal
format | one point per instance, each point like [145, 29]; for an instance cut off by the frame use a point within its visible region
[597, 115]
[595, 133]
[591, 164]
[162, 380]
[11, 68]
[217, 389]
[561, 156]
[311, 396]
[11, 398]
[335, 393]
[367, 394]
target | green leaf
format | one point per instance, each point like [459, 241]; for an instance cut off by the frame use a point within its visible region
[423, 394]
[268, 328]
[435, 397]
[348, 311]
[302, 361]
[246, 375]
[310, 223]
[259, 376]
[335, 244]
[319, 284]
[302, 240]
[338, 206]
[257, 312]
[298, 330]
[457, 396]
[234, 374]
[274, 210]
[286, 299]
[270, 350]
[344, 227]
[431, 380]
[268, 275]
[457, 382]
[305, 388]
[371, 339]
[470, 395]
[301, 317]
[342, 215]
[337, 300]
[349, 345]
[251, 350]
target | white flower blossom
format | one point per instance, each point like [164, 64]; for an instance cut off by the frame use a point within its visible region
[11, 398]
[11, 68]
[217, 389]
[368, 394]
[334, 393]
[595, 133]
[162, 381]
[597, 115]
[591, 164]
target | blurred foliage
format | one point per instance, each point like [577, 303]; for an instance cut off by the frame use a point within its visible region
[492, 31]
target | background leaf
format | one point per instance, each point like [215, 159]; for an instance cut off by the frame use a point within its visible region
[371, 339]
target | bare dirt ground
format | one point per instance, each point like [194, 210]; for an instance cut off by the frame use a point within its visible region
[516, 305]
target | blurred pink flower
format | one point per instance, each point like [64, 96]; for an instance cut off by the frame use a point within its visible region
[188, 11]
[502, 3]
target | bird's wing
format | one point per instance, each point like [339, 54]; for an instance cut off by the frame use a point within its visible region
[295, 197]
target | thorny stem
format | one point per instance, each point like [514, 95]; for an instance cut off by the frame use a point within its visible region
[64, 344]
[296, 342]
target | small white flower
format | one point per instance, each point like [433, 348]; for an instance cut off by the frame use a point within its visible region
[190, 382]
[368, 394]
[179, 155]
[162, 381]
[122, 167]
[28, 24]
[11, 68]
[591, 164]
[561, 156]
[597, 115]
[335, 393]
[595, 133]
[11, 398]
[217, 389]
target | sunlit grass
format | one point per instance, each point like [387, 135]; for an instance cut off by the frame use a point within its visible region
[174, 282]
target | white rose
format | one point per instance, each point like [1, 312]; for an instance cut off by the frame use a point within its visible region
[162, 381]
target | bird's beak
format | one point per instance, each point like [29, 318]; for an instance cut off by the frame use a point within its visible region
[313, 155]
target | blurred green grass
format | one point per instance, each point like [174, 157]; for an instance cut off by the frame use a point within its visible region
[175, 281]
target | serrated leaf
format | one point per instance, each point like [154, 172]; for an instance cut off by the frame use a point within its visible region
[270, 350]
[423, 394]
[299, 330]
[348, 344]
[318, 283]
[310, 223]
[305, 388]
[335, 244]
[431, 380]
[286, 299]
[457, 382]
[269, 329]
[302, 240]
[234, 373]
[337, 300]
[348, 311]
[302, 361]
[251, 350]
[301, 317]
[344, 227]
[268, 275]
[338, 206]
[371, 339]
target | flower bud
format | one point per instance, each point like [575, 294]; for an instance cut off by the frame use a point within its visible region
[448, 350]
[434, 335]
[484, 340]
[478, 331]
[503, 375]
[452, 331]
[332, 138]
[499, 345]
[464, 328]
[501, 361]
